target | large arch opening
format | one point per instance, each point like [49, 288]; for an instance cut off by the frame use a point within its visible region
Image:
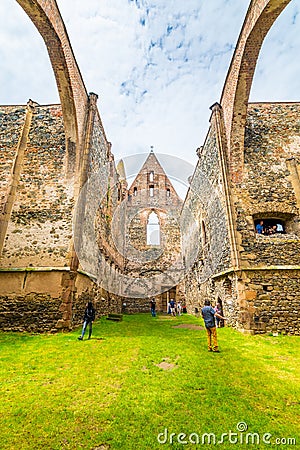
[44, 164]
[26, 70]
[234, 99]
[46, 17]
[273, 80]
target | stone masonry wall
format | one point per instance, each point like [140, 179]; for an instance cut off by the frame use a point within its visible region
[272, 301]
[268, 191]
[25, 304]
[205, 221]
[34, 278]
[40, 228]
[153, 266]
[261, 301]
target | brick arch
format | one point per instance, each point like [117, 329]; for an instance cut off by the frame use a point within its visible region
[73, 96]
[259, 19]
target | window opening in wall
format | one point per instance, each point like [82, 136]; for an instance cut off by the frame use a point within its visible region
[151, 190]
[135, 191]
[268, 227]
[168, 193]
[151, 176]
[153, 229]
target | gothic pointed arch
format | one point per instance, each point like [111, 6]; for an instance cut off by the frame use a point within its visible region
[46, 16]
[153, 229]
[260, 17]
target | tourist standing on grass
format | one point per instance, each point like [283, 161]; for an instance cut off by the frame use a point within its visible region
[209, 315]
[88, 319]
[172, 305]
[179, 308]
[153, 306]
[218, 310]
[169, 307]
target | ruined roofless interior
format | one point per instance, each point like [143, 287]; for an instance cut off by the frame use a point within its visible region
[247, 173]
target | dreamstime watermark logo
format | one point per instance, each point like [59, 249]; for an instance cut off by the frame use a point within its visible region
[93, 225]
[240, 436]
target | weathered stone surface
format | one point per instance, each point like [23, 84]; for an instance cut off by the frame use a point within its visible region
[248, 170]
[40, 228]
[260, 300]
[152, 193]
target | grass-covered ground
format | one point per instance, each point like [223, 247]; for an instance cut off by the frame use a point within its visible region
[110, 392]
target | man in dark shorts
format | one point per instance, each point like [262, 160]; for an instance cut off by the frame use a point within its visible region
[209, 315]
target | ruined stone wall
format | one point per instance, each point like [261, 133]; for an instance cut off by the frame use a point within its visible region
[268, 190]
[206, 240]
[261, 301]
[152, 263]
[102, 165]
[87, 290]
[30, 300]
[272, 301]
[99, 148]
[265, 297]
[157, 258]
[40, 228]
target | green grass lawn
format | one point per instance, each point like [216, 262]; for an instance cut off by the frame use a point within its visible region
[110, 392]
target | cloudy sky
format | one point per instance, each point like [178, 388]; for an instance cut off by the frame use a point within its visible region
[157, 65]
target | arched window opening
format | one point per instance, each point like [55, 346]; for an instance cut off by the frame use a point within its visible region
[135, 192]
[151, 190]
[153, 229]
[151, 176]
[168, 193]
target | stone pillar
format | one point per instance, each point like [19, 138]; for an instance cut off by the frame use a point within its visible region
[221, 143]
[15, 173]
[69, 282]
